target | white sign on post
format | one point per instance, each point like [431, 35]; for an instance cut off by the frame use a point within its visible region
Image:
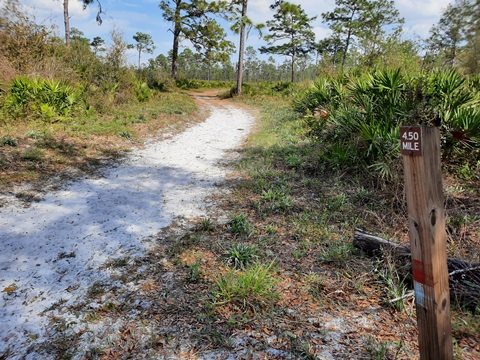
[411, 140]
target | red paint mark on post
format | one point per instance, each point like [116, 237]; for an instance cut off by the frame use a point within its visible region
[411, 140]
[423, 273]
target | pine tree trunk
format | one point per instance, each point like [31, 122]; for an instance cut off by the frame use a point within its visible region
[347, 44]
[66, 20]
[139, 54]
[176, 40]
[292, 70]
[241, 51]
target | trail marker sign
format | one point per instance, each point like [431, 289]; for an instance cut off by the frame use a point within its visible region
[411, 140]
[426, 218]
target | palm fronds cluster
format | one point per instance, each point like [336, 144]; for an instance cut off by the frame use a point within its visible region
[358, 117]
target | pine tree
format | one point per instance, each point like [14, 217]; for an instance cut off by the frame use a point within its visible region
[144, 44]
[290, 26]
[191, 20]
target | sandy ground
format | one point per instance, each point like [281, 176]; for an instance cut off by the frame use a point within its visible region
[52, 251]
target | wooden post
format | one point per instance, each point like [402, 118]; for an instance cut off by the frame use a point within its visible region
[420, 147]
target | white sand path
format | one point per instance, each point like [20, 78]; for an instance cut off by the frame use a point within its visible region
[52, 250]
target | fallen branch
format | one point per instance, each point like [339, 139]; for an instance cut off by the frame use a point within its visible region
[464, 276]
[407, 295]
[464, 271]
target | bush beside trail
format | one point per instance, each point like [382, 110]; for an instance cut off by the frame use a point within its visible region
[357, 117]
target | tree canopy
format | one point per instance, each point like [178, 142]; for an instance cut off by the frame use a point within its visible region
[455, 39]
[192, 21]
[144, 44]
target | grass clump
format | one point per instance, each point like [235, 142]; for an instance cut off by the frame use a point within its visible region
[248, 288]
[276, 200]
[33, 154]
[336, 252]
[242, 255]
[239, 225]
[8, 140]
[392, 276]
[207, 224]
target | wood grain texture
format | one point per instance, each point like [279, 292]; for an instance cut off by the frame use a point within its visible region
[426, 217]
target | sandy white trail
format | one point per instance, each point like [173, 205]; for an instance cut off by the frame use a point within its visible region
[52, 250]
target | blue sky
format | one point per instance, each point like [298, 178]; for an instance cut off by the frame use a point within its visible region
[145, 16]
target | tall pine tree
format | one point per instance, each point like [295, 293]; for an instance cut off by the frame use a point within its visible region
[191, 20]
[291, 27]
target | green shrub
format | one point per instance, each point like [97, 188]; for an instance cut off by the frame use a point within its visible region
[142, 91]
[46, 98]
[357, 117]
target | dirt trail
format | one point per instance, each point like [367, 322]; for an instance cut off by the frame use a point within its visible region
[53, 251]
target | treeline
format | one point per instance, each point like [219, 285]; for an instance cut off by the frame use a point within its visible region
[365, 35]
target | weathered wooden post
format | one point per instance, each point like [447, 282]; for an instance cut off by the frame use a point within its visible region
[420, 147]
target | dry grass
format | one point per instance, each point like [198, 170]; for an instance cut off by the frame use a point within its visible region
[45, 151]
[7, 71]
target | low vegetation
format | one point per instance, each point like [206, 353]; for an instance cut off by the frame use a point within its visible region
[283, 280]
[358, 117]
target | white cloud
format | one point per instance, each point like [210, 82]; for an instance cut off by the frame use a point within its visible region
[321, 32]
[45, 9]
[420, 16]
[260, 11]
[424, 9]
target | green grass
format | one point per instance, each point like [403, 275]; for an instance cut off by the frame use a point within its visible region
[239, 225]
[249, 288]
[33, 154]
[194, 271]
[8, 141]
[241, 255]
[79, 141]
[336, 252]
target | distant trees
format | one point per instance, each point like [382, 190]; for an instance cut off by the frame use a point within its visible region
[97, 44]
[455, 39]
[363, 21]
[449, 33]
[291, 27]
[472, 47]
[331, 48]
